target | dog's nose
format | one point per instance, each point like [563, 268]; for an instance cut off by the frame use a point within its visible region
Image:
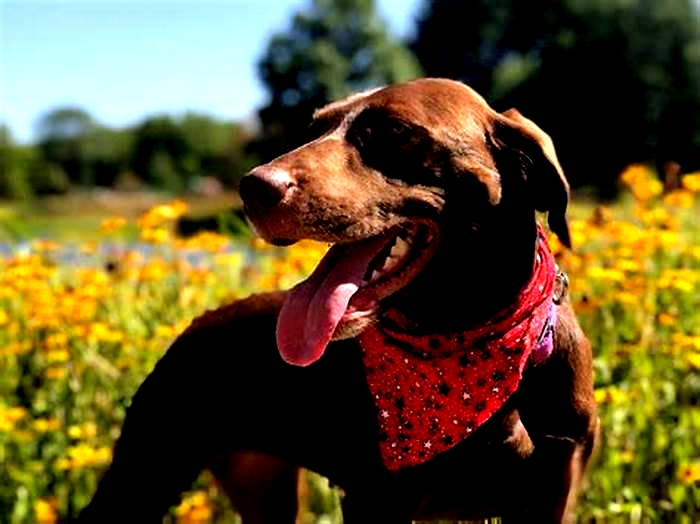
[266, 186]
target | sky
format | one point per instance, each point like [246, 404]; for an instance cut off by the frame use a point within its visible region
[121, 60]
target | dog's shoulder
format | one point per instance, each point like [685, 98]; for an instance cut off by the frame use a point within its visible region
[257, 307]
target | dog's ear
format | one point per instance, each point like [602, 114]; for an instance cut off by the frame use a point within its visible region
[540, 167]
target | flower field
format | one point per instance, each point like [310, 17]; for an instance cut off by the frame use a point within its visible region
[82, 325]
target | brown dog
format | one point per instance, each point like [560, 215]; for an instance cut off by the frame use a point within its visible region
[430, 366]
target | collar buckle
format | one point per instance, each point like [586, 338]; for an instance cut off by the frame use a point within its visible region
[561, 287]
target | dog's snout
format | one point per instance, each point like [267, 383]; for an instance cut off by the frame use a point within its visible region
[266, 186]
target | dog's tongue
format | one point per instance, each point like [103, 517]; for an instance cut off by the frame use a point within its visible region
[315, 306]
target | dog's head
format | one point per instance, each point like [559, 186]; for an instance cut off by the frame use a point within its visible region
[395, 178]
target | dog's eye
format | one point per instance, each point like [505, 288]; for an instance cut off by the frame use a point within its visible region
[381, 133]
[397, 128]
[359, 136]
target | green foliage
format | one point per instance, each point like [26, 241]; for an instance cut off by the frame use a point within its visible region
[25, 173]
[332, 48]
[217, 147]
[13, 181]
[162, 151]
[62, 135]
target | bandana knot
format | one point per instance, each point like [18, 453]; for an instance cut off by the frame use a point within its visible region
[433, 391]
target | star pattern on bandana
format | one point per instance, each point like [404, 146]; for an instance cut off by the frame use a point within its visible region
[433, 391]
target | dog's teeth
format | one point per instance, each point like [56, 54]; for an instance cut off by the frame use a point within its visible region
[400, 248]
[390, 263]
[375, 275]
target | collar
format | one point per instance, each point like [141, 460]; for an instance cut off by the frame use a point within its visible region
[432, 391]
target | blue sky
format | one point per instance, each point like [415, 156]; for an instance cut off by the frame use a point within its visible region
[123, 59]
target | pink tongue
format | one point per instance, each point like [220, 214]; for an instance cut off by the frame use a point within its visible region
[315, 306]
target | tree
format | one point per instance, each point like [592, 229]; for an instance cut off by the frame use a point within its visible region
[332, 48]
[88, 153]
[107, 152]
[62, 134]
[217, 147]
[24, 173]
[612, 81]
[161, 155]
[13, 180]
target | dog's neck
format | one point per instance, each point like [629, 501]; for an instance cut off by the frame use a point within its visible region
[473, 277]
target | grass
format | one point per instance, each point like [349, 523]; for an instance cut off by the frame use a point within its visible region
[76, 217]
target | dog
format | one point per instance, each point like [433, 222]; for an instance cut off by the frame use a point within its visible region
[431, 366]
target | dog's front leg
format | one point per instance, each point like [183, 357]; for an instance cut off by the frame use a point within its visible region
[222, 392]
[552, 473]
[173, 429]
[517, 438]
[263, 488]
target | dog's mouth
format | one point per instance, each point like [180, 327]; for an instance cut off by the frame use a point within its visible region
[347, 286]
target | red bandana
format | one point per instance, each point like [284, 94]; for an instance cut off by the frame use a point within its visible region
[433, 391]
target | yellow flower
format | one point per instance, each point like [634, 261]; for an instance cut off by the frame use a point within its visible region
[258, 243]
[155, 235]
[101, 332]
[45, 511]
[16, 348]
[668, 238]
[57, 355]
[56, 341]
[683, 285]
[155, 269]
[195, 509]
[62, 464]
[693, 359]
[689, 473]
[625, 297]
[642, 182]
[164, 331]
[691, 182]
[112, 224]
[610, 395]
[41, 425]
[229, 259]
[686, 341]
[681, 279]
[89, 429]
[206, 241]
[162, 214]
[56, 373]
[626, 456]
[201, 276]
[45, 245]
[84, 456]
[666, 319]
[10, 416]
[44, 425]
[628, 265]
[654, 217]
[634, 173]
[15, 413]
[601, 273]
[102, 455]
[679, 198]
